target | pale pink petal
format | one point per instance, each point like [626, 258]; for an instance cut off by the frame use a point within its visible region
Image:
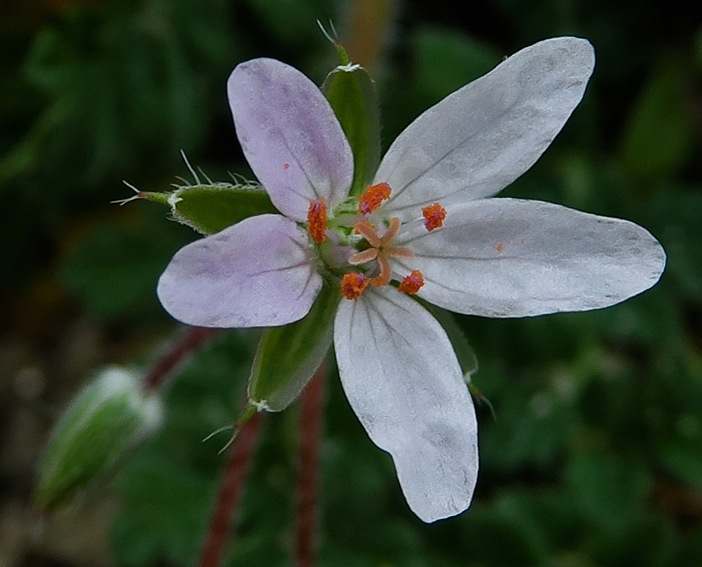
[290, 136]
[481, 138]
[517, 258]
[403, 381]
[257, 273]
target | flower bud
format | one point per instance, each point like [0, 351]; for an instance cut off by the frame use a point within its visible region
[103, 423]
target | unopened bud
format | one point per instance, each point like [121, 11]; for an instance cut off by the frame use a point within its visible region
[107, 419]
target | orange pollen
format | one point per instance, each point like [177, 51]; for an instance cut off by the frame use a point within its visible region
[412, 283]
[354, 284]
[434, 216]
[317, 220]
[373, 198]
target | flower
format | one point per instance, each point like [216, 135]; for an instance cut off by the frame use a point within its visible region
[428, 224]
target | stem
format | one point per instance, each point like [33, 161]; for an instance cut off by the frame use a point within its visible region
[195, 337]
[310, 435]
[240, 453]
[369, 26]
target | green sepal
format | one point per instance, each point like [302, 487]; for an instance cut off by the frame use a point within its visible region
[102, 425]
[464, 352]
[287, 357]
[211, 208]
[353, 96]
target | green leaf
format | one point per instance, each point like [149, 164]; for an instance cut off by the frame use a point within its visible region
[211, 208]
[608, 490]
[288, 356]
[447, 60]
[674, 215]
[167, 504]
[113, 270]
[659, 134]
[684, 460]
[352, 95]
[107, 419]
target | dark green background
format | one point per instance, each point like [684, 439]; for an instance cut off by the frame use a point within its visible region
[595, 455]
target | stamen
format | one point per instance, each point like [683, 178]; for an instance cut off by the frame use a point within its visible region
[412, 283]
[385, 275]
[434, 216]
[354, 284]
[373, 198]
[317, 220]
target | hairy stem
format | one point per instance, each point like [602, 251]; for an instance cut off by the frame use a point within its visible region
[192, 340]
[240, 453]
[310, 436]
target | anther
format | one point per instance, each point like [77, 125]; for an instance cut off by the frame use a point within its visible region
[317, 220]
[434, 216]
[412, 283]
[373, 197]
[354, 284]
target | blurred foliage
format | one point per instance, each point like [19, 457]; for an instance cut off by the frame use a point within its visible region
[595, 456]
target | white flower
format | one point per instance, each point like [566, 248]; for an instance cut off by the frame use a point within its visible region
[428, 225]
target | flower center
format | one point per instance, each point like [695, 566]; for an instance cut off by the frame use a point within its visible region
[381, 249]
[375, 249]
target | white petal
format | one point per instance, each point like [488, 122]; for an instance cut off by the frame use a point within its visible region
[257, 273]
[402, 379]
[290, 135]
[517, 258]
[481, 138]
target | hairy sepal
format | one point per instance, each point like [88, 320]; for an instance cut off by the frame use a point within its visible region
[353, 96]
[209, 208]
[288, 356]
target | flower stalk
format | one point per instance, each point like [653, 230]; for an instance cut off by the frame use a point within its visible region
[311, 424]
[170, 360]
[226, 504]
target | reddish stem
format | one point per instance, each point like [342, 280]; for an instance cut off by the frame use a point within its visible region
[240, 453]
[166, 363]
[310, 436]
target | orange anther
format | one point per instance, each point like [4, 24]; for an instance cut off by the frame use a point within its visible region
[353, 285]
[412, 283]
[434, 216]
[373, 197]
[317, 220]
